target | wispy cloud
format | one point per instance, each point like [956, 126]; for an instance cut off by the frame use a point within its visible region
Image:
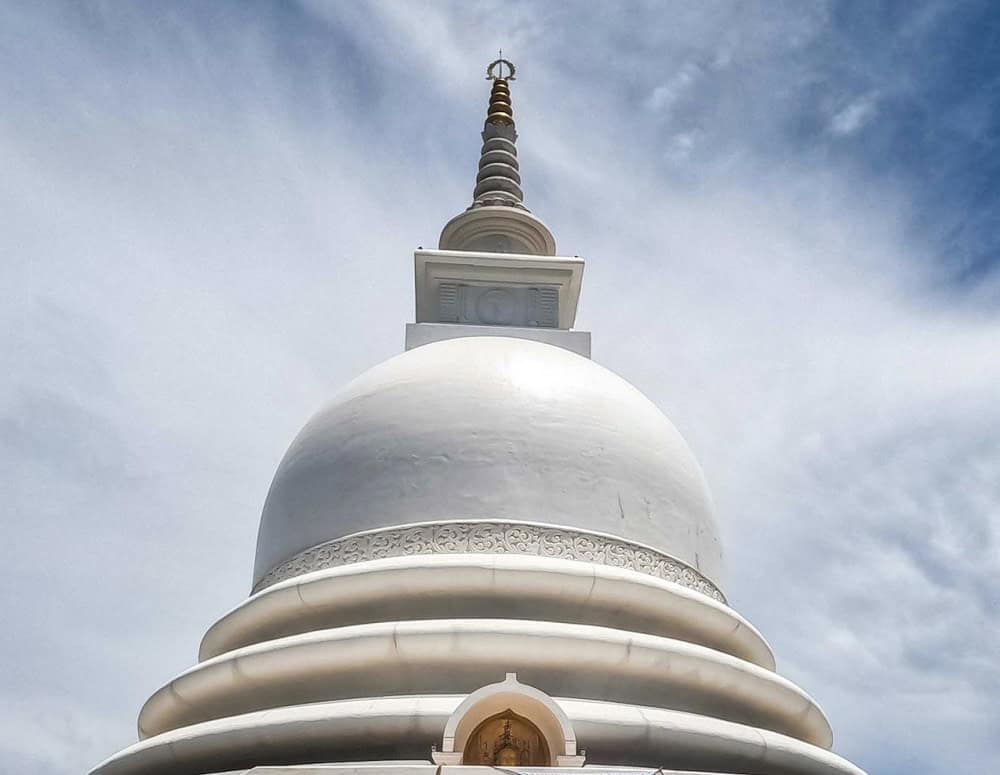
[666, 95]
[853, 116]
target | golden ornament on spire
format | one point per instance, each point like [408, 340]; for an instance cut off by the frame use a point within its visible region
[500, 110]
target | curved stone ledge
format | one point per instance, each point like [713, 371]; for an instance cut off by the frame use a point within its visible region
[508, 586]
[461, 655]
[487, 219]
[405, 727]
[492, 537]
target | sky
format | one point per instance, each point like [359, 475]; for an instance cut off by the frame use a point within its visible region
[790, 214]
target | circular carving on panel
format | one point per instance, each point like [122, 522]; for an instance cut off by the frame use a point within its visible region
[496, 307]
[492, 538]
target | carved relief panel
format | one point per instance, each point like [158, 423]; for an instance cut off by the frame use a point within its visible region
[507, 740]
[498, 306]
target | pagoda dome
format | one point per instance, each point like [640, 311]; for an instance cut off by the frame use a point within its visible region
[491, 504]
[488, 430]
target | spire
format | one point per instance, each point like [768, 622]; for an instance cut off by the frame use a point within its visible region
[498, 181]
[497, 220]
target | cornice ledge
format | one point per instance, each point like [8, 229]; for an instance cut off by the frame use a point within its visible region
[492, 537]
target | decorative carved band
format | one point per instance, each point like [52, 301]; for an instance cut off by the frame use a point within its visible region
[491, 538]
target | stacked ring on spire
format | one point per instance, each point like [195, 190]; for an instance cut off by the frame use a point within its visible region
[498, 181]
[500, 110]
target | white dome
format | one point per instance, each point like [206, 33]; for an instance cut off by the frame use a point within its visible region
[490, 428]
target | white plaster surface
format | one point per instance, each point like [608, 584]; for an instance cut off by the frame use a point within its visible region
[490, 428]
[611, 733]
[423, 769]
[497, 226]
[418, 657]
[509, 694]
[418, 334]
[500, 585]
[495, 270]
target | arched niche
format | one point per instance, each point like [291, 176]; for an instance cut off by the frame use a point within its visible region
[526, 707]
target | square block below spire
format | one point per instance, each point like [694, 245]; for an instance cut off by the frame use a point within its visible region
[497, 289]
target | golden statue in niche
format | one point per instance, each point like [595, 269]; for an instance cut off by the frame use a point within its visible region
[507, 740]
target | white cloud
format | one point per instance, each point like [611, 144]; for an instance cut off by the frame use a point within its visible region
[666, 95]
[680, 146]
[854, 116]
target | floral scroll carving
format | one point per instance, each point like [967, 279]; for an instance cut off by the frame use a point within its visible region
[492, 538]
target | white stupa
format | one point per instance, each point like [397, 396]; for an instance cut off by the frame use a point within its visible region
[487, 551]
